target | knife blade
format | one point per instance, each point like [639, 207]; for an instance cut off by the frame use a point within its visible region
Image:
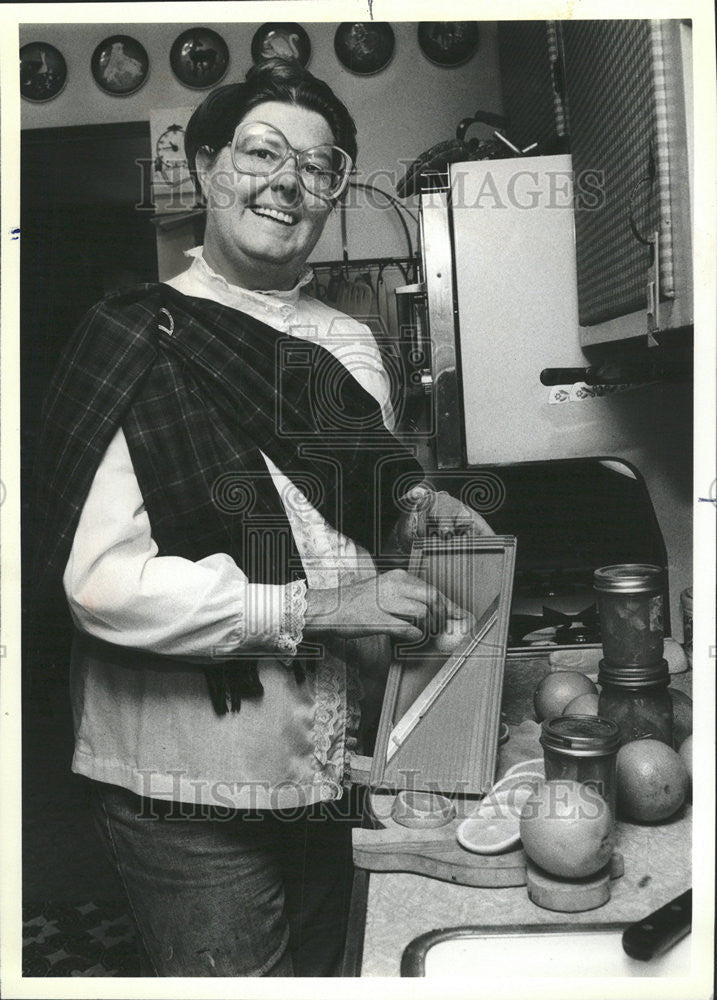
[408, 722]
[656, 933]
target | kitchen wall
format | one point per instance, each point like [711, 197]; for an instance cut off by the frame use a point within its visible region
[399, 112]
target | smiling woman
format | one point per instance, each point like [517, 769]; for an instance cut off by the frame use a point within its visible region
[270, 157]
[261, 227]
[210, 499]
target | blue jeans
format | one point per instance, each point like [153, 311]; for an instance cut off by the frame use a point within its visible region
[232, 893]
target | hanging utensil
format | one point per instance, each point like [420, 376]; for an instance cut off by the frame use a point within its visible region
[334, 287]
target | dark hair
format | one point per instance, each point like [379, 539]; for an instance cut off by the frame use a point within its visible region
[213, 123]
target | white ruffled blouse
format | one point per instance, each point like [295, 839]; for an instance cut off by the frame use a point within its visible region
[153, 730]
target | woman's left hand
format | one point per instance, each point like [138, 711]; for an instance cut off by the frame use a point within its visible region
[440, 514]
[447, 516]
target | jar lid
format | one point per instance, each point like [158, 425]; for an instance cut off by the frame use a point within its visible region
[628, 578]
[580, 735]
[651, 675]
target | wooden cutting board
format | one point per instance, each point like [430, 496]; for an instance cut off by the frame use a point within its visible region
[435, 852]
[438, 854]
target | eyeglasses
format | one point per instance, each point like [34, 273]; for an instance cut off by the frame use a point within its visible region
[261, 150]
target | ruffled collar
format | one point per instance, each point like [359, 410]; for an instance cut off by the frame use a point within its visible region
[267, 296]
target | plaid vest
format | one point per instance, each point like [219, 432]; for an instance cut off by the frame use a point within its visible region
[200, 391]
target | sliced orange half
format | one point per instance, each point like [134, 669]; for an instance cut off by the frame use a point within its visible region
[495, 826]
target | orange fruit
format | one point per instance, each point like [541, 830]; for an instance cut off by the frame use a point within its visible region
[567, 829]
[584, 704]
[495, 825]
[685, 753]
[557, 690]
[652, 781]
[682, 716]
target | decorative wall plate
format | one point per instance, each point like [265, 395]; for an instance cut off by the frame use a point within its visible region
[448, 43]
[286, 41]
[199, 58]
[364, 47]
[43, 71]
[120, 65]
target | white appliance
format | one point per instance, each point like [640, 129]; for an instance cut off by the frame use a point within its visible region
[496, 304]
[499, 276]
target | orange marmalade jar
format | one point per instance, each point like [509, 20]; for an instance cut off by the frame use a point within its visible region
[630, 602]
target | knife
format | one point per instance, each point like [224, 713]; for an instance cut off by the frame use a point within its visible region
[654, 934]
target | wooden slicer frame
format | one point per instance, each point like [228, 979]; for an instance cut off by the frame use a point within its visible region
[438, 729]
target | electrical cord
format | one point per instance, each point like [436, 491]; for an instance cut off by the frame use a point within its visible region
[396, 205]
[389, 197]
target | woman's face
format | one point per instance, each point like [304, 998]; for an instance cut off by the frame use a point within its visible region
[260, 230]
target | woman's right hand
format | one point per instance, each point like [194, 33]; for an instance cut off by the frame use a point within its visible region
[390, 603]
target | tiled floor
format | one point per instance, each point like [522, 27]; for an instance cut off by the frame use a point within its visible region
[75, 921]
[93, 939]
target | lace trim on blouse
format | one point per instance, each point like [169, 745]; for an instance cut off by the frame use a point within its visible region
[329, 716]
[329, 560]
[292, 620]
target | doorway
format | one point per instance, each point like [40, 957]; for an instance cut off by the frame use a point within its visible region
[85, 230]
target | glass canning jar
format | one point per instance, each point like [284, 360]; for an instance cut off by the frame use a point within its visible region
[630, 603]
[637, 699]
[582, 748]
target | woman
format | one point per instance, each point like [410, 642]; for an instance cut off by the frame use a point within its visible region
[219, 483]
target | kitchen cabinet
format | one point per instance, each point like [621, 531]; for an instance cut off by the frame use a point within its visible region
[625, 88]
[617, 93]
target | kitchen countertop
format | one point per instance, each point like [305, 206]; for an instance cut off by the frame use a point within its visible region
[400, 906]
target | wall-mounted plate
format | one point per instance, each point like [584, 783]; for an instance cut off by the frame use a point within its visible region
[120, 65]
[199, 58]
[283, 41]
[43, 71]
[364, 47]
[448, 43]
